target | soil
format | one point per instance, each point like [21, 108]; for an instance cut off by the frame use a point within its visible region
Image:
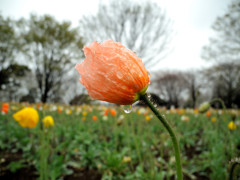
[30, 172]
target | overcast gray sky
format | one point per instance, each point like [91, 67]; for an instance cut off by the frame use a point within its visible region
[192, 22]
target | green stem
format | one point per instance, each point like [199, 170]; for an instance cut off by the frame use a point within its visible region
[170, 131]
[225, 118]
[235, 164]
[221, 102]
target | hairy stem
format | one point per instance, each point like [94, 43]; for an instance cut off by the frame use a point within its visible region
[170, 131]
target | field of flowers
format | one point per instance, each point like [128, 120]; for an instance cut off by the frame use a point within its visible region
[96, 142]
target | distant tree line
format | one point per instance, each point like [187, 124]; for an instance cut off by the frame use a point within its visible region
[221, 80]
[38, 55]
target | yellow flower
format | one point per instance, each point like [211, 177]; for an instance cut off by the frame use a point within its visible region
[68, 111]
[83, 118]
[27, 117]
[213, 119]
[195, 111]
[48, 121]
[232, 126]
[138, 112]
[147, 118]
[126, 159]
[181, 111]
[84, 113]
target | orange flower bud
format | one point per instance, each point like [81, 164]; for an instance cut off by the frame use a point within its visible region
[113, 73]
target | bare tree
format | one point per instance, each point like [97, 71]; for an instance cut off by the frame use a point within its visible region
[170, 86]
[193, 85]
[225, 78]
[225, 46]
[224, 50]
[141, 26]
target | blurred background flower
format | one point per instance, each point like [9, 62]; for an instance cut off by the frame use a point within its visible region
[27, 117]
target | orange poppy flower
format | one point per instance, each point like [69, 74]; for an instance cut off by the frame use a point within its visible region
[5, 110]
[106, 112]
[5, 107]
[113, 73]
[113, 112]
[59, 110]
[94, 118]
[208, 114]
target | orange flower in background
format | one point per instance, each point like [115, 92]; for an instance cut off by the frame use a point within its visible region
[113, 112]
[106, 112]
[208, 114]
[113, 73]
[185, 118]
[59, 109]
[5, 108]
[181, 111]
[94, 118]
[5, 105]
[38, 106]
[27, 117]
